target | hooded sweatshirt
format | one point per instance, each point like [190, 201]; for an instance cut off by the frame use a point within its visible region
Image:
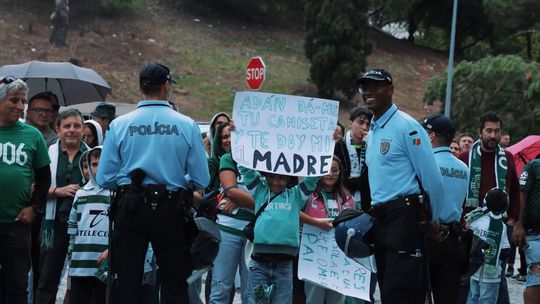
[99, 131]
[88, 225]
[212, 130]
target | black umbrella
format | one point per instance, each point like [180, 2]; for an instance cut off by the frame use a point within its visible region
[72, 84]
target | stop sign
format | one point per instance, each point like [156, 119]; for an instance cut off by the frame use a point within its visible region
[255, 73]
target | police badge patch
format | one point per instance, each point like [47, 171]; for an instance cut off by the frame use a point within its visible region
[385, 146]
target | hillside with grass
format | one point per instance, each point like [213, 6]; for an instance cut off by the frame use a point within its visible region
[206, 53]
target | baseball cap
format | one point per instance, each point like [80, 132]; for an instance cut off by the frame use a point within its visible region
[440, 124]
[154, 74]
[376, 75]
[105, 110]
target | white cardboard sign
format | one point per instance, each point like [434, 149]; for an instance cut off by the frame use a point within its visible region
[284, 134]
[320, 261]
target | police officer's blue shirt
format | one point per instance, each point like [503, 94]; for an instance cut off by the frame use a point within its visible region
[455, 182]
[398, 150]
[162, 142]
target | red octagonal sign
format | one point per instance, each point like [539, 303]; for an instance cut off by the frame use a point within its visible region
[255, 73]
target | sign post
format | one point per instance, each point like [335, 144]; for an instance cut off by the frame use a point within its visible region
[255, 73]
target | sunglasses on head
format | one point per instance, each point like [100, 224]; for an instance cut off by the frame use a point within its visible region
[8, 79]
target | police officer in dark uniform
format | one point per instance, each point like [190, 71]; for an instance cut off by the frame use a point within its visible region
[445, 256]
[402, 175]
[151, 157]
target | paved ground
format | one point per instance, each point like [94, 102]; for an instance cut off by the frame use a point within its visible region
[515, 290]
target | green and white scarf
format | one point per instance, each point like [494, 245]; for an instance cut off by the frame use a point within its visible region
[491, 256]
[475, 173]
[354, 160]
[47, 228]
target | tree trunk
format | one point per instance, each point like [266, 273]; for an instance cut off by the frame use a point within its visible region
[529, 44]
[411, 20]
[60, 21]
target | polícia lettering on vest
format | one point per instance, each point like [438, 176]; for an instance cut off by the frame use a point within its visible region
[155, 129]
[453, 172]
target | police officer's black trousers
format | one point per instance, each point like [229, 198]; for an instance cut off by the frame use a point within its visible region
[446, 267]
[165, 228]
[400, 255]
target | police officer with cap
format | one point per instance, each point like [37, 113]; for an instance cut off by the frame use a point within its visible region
[148, 157]
[445, 256]
[402, 175]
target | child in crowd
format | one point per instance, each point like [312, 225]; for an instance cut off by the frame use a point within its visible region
[88, 227]
[92, 133]
[487, 224]
[351, 150]
[323, 205]
[276, 234]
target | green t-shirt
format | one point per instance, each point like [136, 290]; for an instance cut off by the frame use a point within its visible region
[233, 223]
[530, 181]
[22, 150]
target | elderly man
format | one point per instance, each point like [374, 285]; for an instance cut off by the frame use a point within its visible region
[66, 180]
[24, 161]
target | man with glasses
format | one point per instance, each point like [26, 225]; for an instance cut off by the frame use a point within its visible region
[401, 166]
[23, 161]
[40, 114]
[66, 179]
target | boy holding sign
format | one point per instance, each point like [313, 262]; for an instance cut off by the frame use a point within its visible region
[283, 136]
[276, 234]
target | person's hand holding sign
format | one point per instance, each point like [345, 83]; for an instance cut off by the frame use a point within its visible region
[337, 134]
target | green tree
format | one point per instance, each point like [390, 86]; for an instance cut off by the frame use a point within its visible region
[409, 13]
[505, 84]
[516, 27]
[336, 43]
